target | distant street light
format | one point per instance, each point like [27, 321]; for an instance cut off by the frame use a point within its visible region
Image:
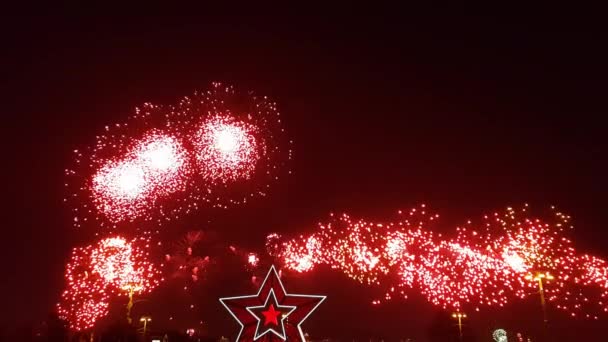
[539, 277]
[145, 320]
[459, 316]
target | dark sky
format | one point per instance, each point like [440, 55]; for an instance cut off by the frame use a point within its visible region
[467, 113]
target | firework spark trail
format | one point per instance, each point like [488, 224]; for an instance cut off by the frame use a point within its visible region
[189, 260]
[482, 265]
[215, 149]
[113, 266]
[182, 262]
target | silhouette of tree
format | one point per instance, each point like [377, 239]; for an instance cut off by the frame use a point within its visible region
[177, 337]
[442, 328]
[120, 332]
[56, 329]
[468, 335]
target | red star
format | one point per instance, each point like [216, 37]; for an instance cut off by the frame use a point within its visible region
[272, 314]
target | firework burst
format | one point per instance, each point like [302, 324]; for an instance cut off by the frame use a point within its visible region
[85, 299]
[112, 266]
[183, 261]
[215, 148]
[237, 142]
[488, 264]
[155, 168]
[226, 150]
[124, 266]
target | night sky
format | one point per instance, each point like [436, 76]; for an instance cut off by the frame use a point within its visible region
[467, 113]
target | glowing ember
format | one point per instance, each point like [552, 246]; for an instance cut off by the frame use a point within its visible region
[253, 260]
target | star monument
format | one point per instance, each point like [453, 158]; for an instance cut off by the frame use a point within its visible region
[272, 314]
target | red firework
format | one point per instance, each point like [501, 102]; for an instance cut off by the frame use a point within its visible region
[488, 264]
[226, 150]
[85, 298]
[156, 167]
[113, 266]
[238, 144]
[253, 260]
[124, 266]
[169, 160]
[182, 261]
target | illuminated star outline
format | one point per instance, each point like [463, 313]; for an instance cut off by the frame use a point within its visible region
[283, 316]
[272, 271]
